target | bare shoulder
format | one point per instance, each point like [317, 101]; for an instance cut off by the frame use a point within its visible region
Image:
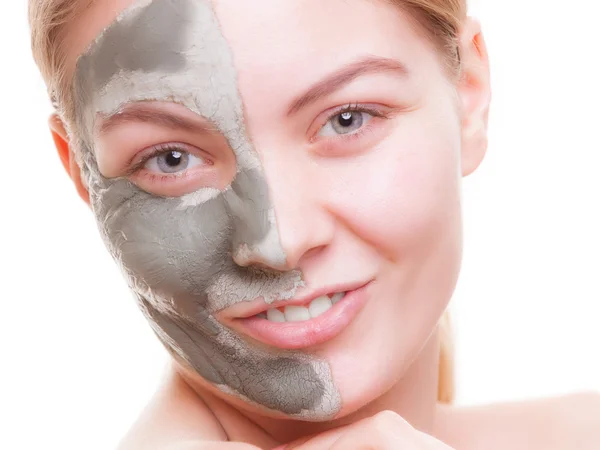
[175, 414]
[570, 422]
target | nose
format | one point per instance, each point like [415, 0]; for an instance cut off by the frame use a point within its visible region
[283, 222]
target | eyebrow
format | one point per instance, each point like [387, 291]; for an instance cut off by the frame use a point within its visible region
[140, 113]
[345, 75]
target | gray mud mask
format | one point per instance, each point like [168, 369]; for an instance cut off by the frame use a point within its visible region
[177, 256]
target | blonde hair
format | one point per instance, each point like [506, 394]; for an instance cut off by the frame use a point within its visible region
[440, 20]
[48, 20]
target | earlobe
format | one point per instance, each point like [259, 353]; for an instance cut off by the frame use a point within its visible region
[475, 95]
[61, 142]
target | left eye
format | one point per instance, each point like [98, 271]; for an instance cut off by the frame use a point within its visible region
[172, 161]
[346, 122]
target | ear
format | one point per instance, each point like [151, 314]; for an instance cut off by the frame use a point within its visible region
[66, 155]
[474, 91]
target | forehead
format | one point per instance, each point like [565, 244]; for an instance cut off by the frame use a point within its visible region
[155, 35]
[273, 43]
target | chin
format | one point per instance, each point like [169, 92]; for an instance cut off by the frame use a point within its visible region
[368, 362]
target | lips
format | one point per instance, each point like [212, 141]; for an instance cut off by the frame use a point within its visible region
[258, 306]
[299, 313]
[300, 328]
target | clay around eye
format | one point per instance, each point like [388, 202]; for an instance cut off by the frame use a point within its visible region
[173, 170]
[173, 161]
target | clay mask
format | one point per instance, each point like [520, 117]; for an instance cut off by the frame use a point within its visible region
[177, 252]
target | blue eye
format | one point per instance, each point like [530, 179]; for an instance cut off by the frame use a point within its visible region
[172, 161]
[346, 122]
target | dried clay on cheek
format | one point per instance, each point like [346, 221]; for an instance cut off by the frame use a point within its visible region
[176, 253]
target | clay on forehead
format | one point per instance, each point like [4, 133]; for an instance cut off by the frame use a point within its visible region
[148, 49]
[194, 66]
[176, 252]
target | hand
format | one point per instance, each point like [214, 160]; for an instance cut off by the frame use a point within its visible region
[201, 445]
[384, 431]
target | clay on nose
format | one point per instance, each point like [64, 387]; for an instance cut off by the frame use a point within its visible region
[266, 253]
[259, 257]
[255, 238]
[276, 225]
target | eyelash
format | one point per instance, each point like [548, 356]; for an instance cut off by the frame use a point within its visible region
[158, 150]
[351, 107]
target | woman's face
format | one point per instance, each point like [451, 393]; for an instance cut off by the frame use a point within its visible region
[243, 156]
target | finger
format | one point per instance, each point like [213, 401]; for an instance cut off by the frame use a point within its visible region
[385, 430]
[432, 443]
[363, 439]
[316, 441]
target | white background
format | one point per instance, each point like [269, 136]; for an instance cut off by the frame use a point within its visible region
[78, 362]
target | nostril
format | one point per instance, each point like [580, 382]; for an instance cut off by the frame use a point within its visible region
[312, 253]
[262, 256]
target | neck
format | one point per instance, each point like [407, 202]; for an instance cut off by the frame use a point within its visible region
[413, 397]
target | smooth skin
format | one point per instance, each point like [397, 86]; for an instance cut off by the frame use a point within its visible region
[383, 204]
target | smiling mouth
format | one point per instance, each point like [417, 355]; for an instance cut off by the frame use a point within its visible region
[303, 322]
[297, 309]
[300, 313]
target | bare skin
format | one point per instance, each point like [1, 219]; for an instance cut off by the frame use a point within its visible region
[433, 138]
[179, 418]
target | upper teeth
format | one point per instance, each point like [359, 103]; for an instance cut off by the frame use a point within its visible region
[300, 313]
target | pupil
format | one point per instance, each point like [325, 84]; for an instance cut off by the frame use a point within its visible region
[346, 119]
[173, 159]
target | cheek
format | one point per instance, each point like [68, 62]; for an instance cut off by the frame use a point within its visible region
[165, 249]
[406, 193]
